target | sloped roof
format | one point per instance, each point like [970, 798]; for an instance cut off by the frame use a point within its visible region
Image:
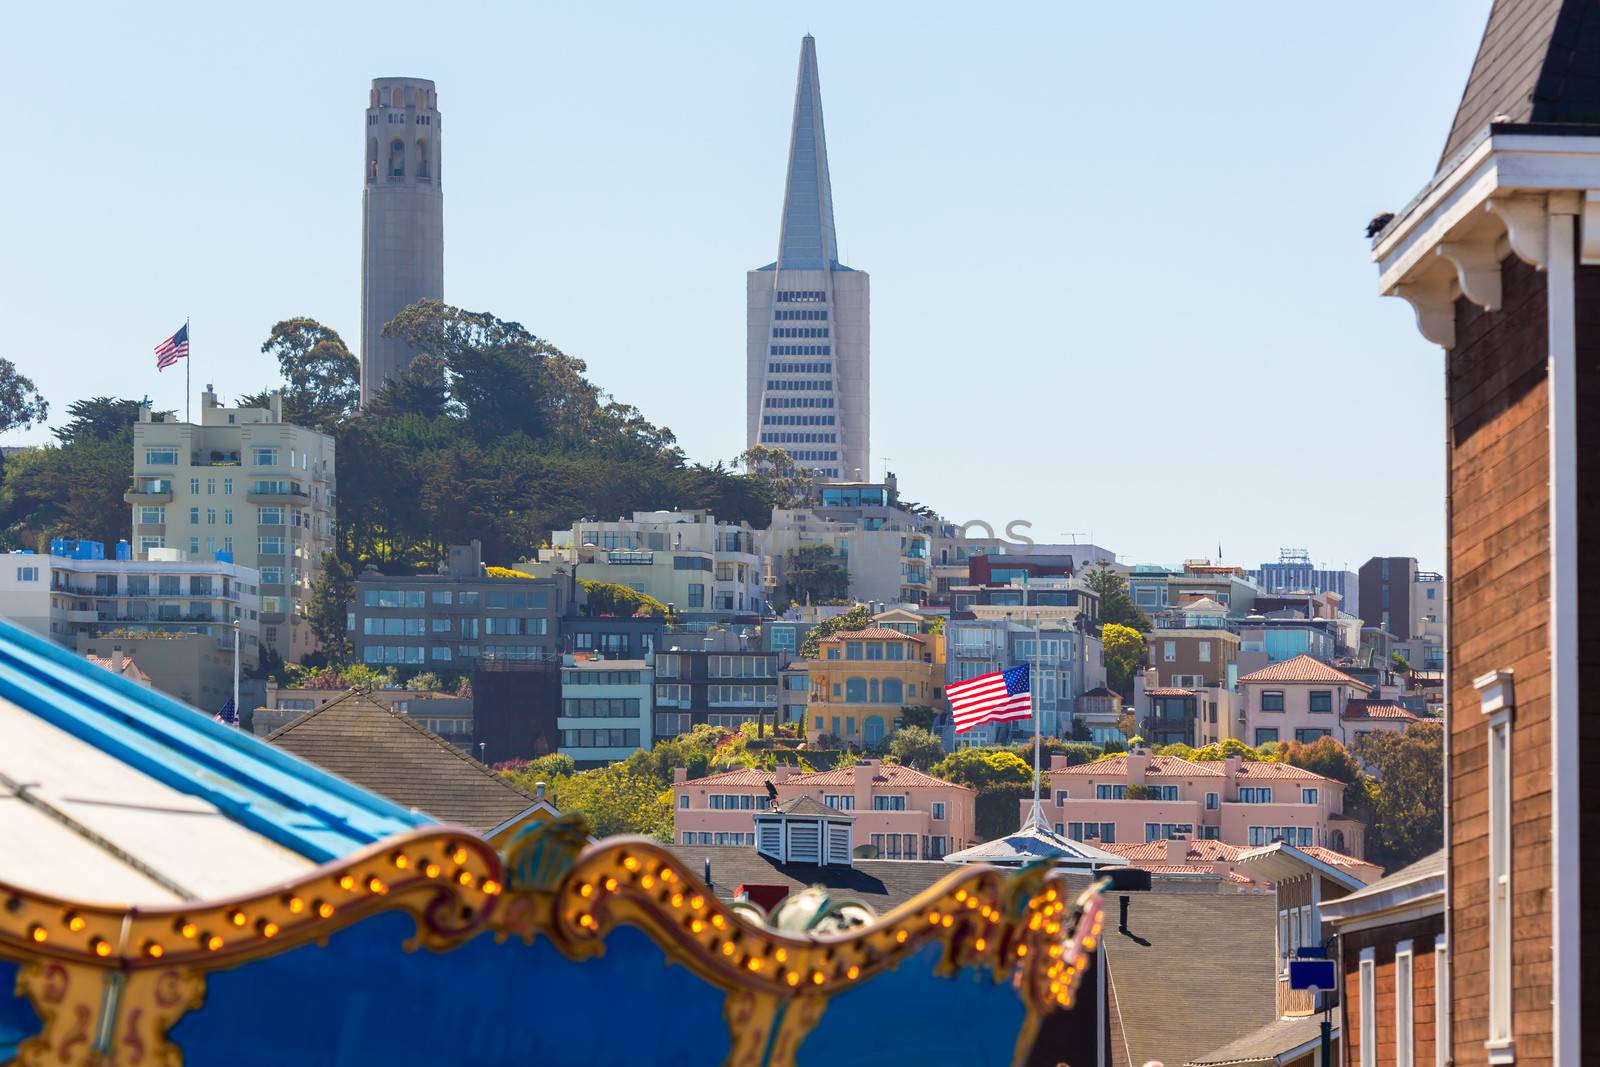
[1102, 691]
[1160, 767]
[121, 793]
[1378, 709]
[1169, 692]
[887, 774]
[806, 240]
[1156, 851]
[1266, 1045]
[1538, 61]
[390, 753]
[1424, 878]
[880, 884]
[737, 776]
[872, 633]
[809, 806]
[1032, 843]
[1190, 973]
[1304, 668]
[130, 669]
[1288, 772]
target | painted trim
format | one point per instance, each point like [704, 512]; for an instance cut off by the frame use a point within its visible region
[1402, 1038]
[1367, 991]
[1566, 816]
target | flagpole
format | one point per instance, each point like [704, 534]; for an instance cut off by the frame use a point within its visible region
[1038, 819]
[187, 359]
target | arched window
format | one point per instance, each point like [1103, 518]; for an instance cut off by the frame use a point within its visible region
[1336, 840]
[423, 170]
[396, 97]
[855, 690]
[397, 158]
[873, 688]
[893, 691]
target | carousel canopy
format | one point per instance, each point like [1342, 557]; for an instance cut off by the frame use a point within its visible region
[110, 791]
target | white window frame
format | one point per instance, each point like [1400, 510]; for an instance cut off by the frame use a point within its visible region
[1441, 1002]
[1367, 984]
[1404, 1005]
[1498, 704]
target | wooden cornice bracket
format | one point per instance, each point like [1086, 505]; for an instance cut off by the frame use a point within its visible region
[1525, 227]
[1477, 269]
[1431, 301]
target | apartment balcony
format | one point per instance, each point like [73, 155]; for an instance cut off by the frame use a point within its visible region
[79, 615]
[214, 458]
[276, 493]
[148, 491]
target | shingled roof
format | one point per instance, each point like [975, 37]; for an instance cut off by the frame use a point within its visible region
[1304, 668]
[1538, 62]
[383, 750]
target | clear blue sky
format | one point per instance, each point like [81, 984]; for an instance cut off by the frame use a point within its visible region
[1119, 280]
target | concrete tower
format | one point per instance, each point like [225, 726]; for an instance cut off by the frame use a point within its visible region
[808, 317]
[402, 219]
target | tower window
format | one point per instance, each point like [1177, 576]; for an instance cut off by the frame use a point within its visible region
[397, 158]
[396, 98]
[422, 160]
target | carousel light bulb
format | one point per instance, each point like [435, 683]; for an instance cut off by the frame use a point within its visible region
[816, 978]
[401, 861]
[296, 905]
[101, 948]
[793, 978]
[237, 918]
[346, 882]
[900, 936]
[490, 887]
[188, 930]
[324, 909]
[153, 950]
[267, 928]
[431, 870]
[213, 942]
[39, 934]
[75, 922]
[853, 973]
[459, 856]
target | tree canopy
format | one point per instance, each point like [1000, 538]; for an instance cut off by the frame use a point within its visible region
[1123, 648]
[1404, 812]
[1116, 605]
[857, 618]
[914, 747]
[21, 404]
[813, 574]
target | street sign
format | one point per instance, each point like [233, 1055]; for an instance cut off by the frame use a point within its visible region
[1314, 975]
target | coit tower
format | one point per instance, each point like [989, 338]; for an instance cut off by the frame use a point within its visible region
[402, 219]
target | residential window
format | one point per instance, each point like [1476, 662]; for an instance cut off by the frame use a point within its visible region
[697, 595]
[1106, 791]
[153, 516]
[1322, 700]
[1169, 651]
[1255, 794]
[1309, 796]
[1441, 1000]
[1205, 651]
[1404, 1037]
[1212, 801]
[1310, 735]
[938, 814]
[1497, 703]
[161, 456]
[264, 457]
[227, 516]
[1061, 797]
[889, 803]
[227, 487]
[1265, 734]
[1272, 700]
[840, 801]
[27, 574]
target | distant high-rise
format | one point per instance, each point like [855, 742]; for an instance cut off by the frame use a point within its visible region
[808, 317]
[402, 220]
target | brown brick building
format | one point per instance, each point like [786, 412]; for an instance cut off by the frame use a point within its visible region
[1499, 256]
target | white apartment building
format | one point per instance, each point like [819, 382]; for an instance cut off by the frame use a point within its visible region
[606, 708]
[244, 483]
[684, 558]
[171, 615]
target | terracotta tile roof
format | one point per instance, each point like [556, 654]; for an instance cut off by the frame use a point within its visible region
[1304, 668]
[738, 776]
[1202, 849]
[1173, 868]
[1332, 858]
[1281, 772]
[888, 774]
[385, 751]
[872, 633]
[1169, 692]
[1377, 709]
[130, 669]
[1160, 767]
[881, 884]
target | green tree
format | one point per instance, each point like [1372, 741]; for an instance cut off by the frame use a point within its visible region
[73, 491]
[812, 574]
[997, 810]
[857, 618]
[1123, 649]
[788, 483]
[983, 768]
[1329, 758]
[1405, 820]
[527, 774]
[99, 418]
[914, 747]
[422, 388]
[21, 405]
[1229, 747]
[920, 716]
[322, 378]
[1138, 791]
[616, 799]
[1116, 606]
[609, 598]
[327, 611]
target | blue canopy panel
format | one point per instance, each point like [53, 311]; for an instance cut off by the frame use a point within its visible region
[258, 786]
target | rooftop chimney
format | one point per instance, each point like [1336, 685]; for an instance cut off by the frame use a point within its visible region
[1177, 851]
[1138, 764]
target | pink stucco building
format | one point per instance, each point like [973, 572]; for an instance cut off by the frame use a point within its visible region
[907, 814]
[1250, 804]
[1303, 699]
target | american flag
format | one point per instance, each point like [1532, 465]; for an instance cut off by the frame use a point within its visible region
[173, 348]
[990, 698]
[228, 715]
